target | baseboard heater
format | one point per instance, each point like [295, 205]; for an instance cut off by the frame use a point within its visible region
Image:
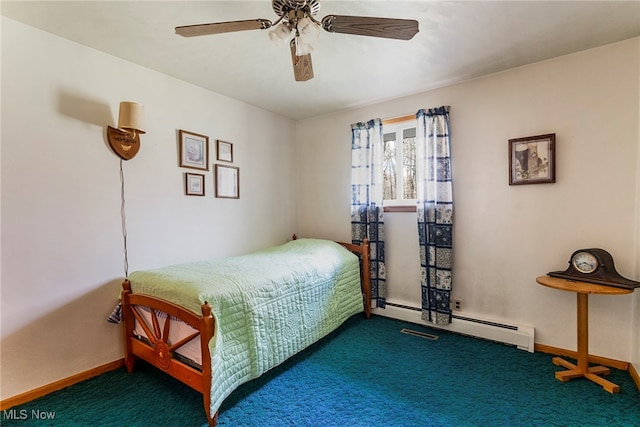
[520, 336]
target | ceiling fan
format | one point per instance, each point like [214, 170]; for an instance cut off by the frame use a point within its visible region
[297, 26]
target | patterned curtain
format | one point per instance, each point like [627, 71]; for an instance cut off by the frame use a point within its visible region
[435, 213]
[366, 199]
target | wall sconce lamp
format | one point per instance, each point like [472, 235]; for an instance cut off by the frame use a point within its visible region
[125, 140]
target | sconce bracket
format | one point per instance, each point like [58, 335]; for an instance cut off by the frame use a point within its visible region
[126, 145]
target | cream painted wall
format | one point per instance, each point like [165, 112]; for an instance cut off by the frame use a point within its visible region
[635, 332]
[505, 235]
[62, 246]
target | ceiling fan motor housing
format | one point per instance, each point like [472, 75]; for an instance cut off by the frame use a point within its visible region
[282, 7]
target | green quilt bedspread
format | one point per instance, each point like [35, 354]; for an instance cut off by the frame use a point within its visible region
[268, 305]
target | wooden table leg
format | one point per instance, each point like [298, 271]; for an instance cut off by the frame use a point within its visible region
[583, 332]
[582, 369]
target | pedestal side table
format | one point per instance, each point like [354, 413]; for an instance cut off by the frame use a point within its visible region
[582, 369]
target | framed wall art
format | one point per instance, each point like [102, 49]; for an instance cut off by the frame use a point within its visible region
[532, 160]
[227, 182]
[224, 151]
[194, 184]
[194, 150]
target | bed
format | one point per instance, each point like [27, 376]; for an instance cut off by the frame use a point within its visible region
[215, 325]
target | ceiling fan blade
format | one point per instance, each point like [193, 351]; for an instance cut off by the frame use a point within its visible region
[222, 27]
[402, 29]
[302, 68]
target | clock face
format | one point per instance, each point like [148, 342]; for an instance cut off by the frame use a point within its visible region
[585, 262]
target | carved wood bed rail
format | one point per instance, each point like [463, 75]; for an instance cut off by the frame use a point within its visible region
[157, 350]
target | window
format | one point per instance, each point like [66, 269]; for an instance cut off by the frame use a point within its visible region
[399, 167]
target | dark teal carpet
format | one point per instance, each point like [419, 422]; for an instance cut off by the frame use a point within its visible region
[365, 374]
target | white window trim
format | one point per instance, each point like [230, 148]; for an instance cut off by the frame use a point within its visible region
[395, 125]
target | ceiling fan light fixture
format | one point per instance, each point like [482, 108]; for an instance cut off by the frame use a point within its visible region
[281, 33]
[303, 48]
[308, 30]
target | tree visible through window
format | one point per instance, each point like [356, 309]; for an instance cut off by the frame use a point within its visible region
[399, 166]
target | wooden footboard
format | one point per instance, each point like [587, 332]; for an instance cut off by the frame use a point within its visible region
[157, 350]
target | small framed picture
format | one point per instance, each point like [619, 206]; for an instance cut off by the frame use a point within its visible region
[224, 151]
[532, 160]
[194, 184]
[194, 150]
[227, 182]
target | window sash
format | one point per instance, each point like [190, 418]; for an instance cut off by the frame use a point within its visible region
[399, 170]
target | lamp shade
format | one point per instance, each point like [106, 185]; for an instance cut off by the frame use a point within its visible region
[131, 117]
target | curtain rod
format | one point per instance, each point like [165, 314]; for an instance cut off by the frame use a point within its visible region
[398, 119]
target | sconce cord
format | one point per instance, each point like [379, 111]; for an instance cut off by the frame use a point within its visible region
[124, 222]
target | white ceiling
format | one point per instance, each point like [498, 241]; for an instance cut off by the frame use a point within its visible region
[458, 40]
